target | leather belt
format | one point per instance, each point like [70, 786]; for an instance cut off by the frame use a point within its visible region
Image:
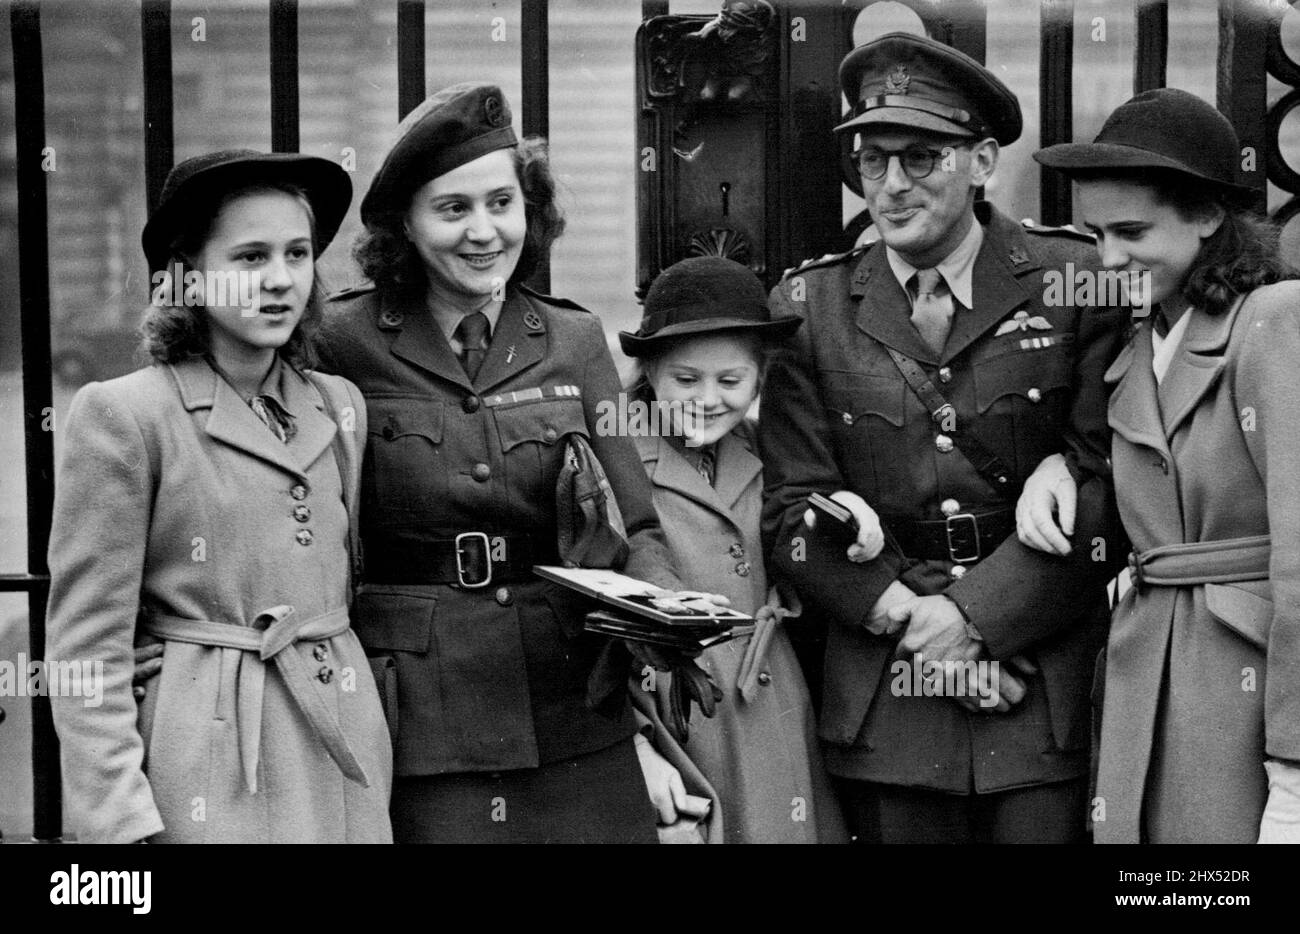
[272, 632]
[964, 538]
[1215, 562]
[469, 560]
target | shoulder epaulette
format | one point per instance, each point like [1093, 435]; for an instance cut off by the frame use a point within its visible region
[1065, 230]
[829, 259]
[352, 292]
[552, 300]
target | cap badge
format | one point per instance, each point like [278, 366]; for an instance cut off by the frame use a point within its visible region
[493, 112]
[897, 81]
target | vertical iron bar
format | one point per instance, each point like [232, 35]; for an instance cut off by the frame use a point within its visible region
[156, 45]
[284, 75]
[653, 8]
[1056, 115]
[1151, 53]
[410, 56]
[1242, 94]
[38, 392]
[536, 80]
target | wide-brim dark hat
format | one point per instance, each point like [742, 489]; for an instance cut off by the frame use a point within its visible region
[202, 179]
[704, 295]
[920, 83]
[1165, 129]
[448, 129]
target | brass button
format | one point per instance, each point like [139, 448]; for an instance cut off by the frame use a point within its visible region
[320, 652]
[549, 435]
[303, 536]
[302, 513]
[945, 374]
[950, 507]
[504, 596]
[481, 472]
[1035, 395]
[958, 571]
[391, 318]
[736, 550]
[325, 675]
[848, 419]
[743, 569]
[470, 404]
[298, 492]
[943, 443]
[764, 677]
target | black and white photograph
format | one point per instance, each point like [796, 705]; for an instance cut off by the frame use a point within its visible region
[653, 421]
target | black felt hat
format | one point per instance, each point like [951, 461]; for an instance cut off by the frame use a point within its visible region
[447, 130]
[200, 180]
[1165, 129]
[913, 81]
[702, 295]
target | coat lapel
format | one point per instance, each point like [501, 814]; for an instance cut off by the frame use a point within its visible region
[997, 286]
[518, 343]
[419, 341]
[1135, 404]
[672, 471]
[884, 311]
[233, 423]
[1196, 366]
[736, 469]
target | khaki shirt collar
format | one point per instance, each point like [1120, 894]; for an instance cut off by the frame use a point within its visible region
[957, 268]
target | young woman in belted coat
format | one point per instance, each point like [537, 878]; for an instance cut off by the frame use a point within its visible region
[1200, 728]
[700, 349]
[203, 502]
[476, 386]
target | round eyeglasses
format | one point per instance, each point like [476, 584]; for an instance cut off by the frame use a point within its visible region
[917, 161]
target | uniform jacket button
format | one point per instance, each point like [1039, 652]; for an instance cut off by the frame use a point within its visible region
[325, 675]
[303, 536]
[1035, 395]
[320, 652]
[958, 571]
[549, 435]
[950, 507]
[389, 433]
[504, 596]
[299, 491]
[470, 404]
[743, 569]
[764, 677]
[302, 513]
[481, 472]
[945, 374]
[736, 550]
[943, 443]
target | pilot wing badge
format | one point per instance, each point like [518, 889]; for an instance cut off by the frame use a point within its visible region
[1022, 321]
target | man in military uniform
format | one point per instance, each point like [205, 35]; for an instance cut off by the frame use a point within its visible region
[931, 378]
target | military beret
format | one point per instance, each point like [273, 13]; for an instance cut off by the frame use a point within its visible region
[1165, 129]
[913, 81]
[450, 128]
[207, 178]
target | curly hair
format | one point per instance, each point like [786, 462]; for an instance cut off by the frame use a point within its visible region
[1240, 256]
[388, 259]
[174, 332]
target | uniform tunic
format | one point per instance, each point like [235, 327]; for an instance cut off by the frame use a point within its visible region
[1201, 680]
[174, 500]
[490, 679]
[759, 752]
[838, 415]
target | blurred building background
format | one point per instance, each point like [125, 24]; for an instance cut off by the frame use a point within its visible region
[348, 105]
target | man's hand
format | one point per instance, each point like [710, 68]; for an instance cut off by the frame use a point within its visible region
[1280, 822]
[871, 537]
[990, 690]
[879, 622]
[148, 662]
[936, 629]
[1050, 487]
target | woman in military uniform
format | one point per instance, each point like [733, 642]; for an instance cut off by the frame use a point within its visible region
[475, 385]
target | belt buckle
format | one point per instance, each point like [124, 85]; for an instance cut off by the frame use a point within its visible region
[956, 553]
[484, 554]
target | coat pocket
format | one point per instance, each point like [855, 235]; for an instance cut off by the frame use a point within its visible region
[1248, 614]
[405, 467]
[394, 618]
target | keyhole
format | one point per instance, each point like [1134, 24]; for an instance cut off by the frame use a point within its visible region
[726, 198]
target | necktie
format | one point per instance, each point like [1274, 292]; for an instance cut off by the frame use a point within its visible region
[1161, 322]
[472, 332]
[705, 465]
[274, 417]
[932, 309]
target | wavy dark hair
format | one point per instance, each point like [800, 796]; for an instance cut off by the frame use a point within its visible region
[388, 259]
[1240, 256]
[172, 333]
